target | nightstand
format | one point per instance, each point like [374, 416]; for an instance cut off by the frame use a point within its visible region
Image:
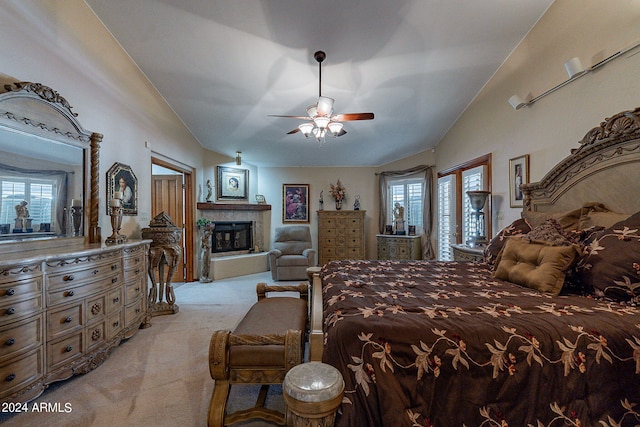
[467, 253]
[399, 247]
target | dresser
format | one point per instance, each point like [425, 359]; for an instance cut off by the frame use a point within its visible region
[340, 235]
[62, 311]
[399, 247]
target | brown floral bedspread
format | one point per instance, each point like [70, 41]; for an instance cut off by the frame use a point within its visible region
[444, 344]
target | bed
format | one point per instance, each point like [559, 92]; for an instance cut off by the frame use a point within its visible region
[544, 332]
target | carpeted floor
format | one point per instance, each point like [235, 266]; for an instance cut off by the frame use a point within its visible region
[159, 377]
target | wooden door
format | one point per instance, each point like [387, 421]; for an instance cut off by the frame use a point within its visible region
[167, 196]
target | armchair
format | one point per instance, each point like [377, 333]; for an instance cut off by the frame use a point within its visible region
[291, 253]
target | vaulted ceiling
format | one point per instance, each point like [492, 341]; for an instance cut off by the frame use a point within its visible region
[225, 65]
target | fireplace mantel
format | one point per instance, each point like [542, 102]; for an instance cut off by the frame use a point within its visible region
[208, 206]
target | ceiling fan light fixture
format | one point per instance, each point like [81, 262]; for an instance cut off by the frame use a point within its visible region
[312, 111]
[306, 129]
[325, 106]
[335, 128]
[321, 122]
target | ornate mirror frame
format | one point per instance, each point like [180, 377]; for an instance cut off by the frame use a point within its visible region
[38, 110]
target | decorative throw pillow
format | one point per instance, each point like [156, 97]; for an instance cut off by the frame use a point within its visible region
[535, 265]
[552, 233]
[568, 220]
[519, 227]
[610, 265]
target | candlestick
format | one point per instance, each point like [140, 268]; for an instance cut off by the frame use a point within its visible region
[76, 203]
[115, 203]
[76, 215]
[117, 195]
[116, 222]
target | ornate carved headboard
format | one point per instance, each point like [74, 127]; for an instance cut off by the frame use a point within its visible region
[605, 168]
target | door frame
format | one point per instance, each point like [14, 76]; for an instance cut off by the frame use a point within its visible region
[189, 217]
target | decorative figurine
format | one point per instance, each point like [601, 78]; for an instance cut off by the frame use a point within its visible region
[321, 200]
[209, 191]
[356, 204]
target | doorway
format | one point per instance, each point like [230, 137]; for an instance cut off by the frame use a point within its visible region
[172, 192]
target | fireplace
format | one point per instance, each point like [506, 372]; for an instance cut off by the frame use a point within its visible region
[231, 236]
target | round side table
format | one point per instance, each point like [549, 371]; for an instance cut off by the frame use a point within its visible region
[312, 393]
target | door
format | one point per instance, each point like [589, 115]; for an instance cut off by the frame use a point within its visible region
[167, 196]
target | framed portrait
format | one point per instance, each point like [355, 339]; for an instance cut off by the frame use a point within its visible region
[121, 178]
[518, 175]
[295, 203]
[232, 183]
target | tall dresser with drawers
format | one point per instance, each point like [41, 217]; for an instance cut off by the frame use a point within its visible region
[63, 311]
[340, 235]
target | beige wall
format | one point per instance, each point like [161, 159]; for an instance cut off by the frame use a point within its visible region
[63, 45]
[548, 129]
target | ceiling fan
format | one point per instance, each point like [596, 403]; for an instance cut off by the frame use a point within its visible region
[320, 117]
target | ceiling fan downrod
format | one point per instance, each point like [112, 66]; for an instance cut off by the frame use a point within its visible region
[320, 56]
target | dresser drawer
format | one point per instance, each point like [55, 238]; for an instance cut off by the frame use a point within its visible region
[133, 313]
[21, 372]
[135, 262]
[20, 336]
[96, 335]
[96, 308]
[19, 273]
[64, 350]
[76, 293]
[15, 310]
[91, 271]
[11, 291]
[114, 324]
[134, 290]
[114, 301]
[65, 320]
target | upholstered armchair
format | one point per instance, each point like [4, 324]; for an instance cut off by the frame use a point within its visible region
[291, 253]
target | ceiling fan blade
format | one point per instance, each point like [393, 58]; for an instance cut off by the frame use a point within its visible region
[291, 117]
[296, 130]
[342, 132]
[352, 116]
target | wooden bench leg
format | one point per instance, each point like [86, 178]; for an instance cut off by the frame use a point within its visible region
[218, 403]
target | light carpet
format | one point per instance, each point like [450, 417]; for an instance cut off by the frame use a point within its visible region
[159, 377]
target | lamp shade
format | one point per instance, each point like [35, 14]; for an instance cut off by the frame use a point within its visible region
[306, 129]
[478, 199]
[335, 128]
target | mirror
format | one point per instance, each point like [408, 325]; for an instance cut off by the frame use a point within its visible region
[48, 167]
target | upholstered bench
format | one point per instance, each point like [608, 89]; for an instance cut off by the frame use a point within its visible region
[268, 341]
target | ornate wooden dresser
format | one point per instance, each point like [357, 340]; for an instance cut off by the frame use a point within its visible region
[340, 235]
[399, 247]
[62, 311]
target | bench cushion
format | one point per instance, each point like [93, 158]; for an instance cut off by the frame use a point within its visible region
[274, 315]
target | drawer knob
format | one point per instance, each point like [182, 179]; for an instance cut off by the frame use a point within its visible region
[114, 267]
[116, 324]
[114, 280]
[68, 278]
[10, 292]
[137, 270]
[10, 341]
[96, 271]
[137, 310]
[68, 319]
[10, 377]
[10, 310]
[116, 300]
[70, 293]
[69, 348]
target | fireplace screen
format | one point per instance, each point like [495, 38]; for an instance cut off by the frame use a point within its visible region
[230, 236]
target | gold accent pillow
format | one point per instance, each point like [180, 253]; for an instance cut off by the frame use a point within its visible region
[535, 265]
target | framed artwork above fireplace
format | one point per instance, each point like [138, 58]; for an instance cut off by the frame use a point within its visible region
[232, 183]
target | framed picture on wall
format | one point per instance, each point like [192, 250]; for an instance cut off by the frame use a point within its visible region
[295, 203]
[121, 179]
[518, 175]
[232, 183]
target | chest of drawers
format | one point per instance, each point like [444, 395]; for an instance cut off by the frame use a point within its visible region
[61, 314]
[399, 247]
[340, 235]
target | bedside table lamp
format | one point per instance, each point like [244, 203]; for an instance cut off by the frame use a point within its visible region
[478, 199]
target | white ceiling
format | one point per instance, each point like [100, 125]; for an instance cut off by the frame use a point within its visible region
[225, 65]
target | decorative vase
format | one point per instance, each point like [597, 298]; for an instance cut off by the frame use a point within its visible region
[338, 205]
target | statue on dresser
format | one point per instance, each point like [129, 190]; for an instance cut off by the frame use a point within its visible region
[398, 219]
[23, 222]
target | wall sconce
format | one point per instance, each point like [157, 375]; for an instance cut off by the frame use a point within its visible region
[575, 70]
[238, 158]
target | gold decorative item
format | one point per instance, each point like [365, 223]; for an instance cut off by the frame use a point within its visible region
[115, 207]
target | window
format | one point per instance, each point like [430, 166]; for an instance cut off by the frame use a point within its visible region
[408, 193]
[38, 193]
[454, 207]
